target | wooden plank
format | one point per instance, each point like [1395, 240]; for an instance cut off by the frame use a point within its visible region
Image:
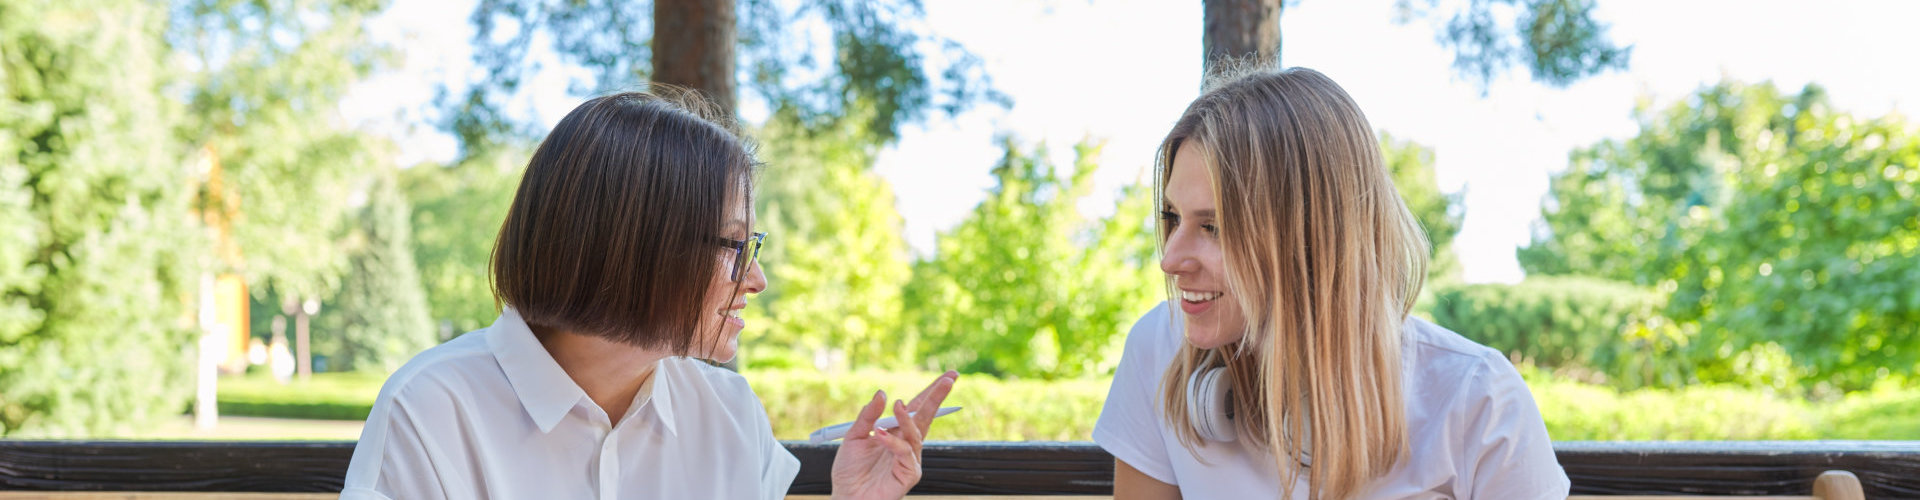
[1677, 497]
[1885, 469]
[216, 466]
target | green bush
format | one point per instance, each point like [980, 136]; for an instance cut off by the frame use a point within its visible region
[800, 401]
[1594, 330]
[995, 410]
[327, 396]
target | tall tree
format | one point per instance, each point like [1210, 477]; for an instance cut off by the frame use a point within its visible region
[873, 59]
[1558, 41]
[264, 80]
[98, 242]
[379, 318]
[840, 102]
[457, 210]
[834, 251]
[1075, 282]
[1244, 29]
[693, 47]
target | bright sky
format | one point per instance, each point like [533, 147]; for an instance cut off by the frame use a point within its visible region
[1122, 70]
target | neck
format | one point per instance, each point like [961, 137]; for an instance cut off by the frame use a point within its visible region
[610, 372]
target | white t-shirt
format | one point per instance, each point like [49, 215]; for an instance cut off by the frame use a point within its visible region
[1475, 432]
[491, 415]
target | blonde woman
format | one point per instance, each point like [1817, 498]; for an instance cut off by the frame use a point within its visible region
[1287, 365]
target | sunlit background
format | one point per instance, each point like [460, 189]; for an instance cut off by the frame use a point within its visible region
[1727, 221]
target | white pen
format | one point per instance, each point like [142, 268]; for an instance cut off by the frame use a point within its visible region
[837, 431]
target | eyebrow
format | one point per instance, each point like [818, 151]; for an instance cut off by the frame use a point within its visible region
[1198, 214]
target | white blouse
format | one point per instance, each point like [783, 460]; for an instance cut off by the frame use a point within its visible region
[491, 415]
[1475, 431]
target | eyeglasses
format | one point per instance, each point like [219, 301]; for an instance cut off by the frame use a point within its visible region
[744, 252]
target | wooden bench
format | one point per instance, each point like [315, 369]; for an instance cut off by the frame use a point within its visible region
[1830, 485]
[75, 470]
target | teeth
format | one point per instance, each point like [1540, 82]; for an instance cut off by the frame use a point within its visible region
[1199, 297]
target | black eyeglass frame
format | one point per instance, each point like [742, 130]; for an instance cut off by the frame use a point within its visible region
[740, 250]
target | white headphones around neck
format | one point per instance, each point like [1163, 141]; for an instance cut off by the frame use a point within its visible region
[1210, 404]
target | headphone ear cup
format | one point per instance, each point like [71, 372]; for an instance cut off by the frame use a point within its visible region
[1208, 403]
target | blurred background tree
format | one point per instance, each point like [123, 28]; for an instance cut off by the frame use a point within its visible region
[99, 243]
[1028, 286]
[1786, 231]
[835, 249]
[1558, 41]
[457, 211]
[834, 254]
[263, 81]
[1439, 212]
[379, 317]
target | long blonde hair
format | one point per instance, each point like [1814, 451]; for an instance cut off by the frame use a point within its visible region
[1324, 259]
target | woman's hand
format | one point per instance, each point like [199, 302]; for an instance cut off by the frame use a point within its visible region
[877, 464]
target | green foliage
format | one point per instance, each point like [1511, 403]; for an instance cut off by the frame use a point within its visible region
[1582, 412]
[457, 211]
[379, 318]
[326, 396]
[1439, 213]
[1558, 41]
[1026, 286]
[97, 228]
[1597, 330]
[871, 69]
[262, 79]
[799, 401]
[834, 257]
[1789, 232]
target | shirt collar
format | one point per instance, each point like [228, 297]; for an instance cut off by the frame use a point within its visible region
[662, 399]
[545, 390]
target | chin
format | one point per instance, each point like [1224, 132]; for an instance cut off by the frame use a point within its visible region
[724, 353]
[1207, 336]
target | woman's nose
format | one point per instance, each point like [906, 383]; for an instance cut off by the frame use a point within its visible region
[756, 279]
[1178, 257]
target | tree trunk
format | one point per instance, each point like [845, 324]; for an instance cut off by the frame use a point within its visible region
[1245, 29]
[693, 44]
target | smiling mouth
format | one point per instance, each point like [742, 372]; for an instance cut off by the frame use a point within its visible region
[1197, 297]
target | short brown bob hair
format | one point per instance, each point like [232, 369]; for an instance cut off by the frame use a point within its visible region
[612, 231]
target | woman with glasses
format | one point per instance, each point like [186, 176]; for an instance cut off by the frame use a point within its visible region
[1286, 364]
[624, 260]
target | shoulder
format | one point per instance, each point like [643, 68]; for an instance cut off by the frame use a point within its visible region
[1440, 355]
[1155, 338]
[1458, 376]
[709, 385]
[442, 371]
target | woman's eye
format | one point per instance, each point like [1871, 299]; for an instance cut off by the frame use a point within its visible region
[1210, 229]
[1171, 218]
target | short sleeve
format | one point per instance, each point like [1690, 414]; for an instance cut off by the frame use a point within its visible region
[779, 467]
[1130, 425]
[391, 459]
[1505, 450]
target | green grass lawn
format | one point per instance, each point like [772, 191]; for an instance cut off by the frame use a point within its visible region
[1016, 410]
